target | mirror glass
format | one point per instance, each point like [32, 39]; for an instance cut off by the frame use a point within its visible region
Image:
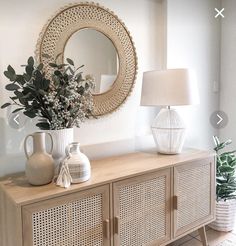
[97, 53]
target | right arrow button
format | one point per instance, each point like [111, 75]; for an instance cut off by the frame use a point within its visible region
[219, 119]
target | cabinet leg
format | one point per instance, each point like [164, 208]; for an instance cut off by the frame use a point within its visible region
[202, 233]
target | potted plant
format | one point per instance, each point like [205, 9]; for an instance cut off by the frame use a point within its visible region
[59, 102]
[225, 187]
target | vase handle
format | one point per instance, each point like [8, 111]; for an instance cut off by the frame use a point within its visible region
[49, 134]
[68, 147]
[25, 145]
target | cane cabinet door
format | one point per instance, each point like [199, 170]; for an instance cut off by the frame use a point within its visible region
[194, 194]
[142, 210]
[78, 219]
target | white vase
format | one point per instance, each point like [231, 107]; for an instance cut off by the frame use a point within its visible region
[61, 139]
[78, 164]
[225, 216]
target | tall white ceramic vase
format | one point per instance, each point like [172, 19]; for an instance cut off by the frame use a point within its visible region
[61, 139]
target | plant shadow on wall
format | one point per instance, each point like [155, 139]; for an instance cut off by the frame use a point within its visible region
[62, 101]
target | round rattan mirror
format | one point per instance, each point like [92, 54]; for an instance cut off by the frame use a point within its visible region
[75, 17]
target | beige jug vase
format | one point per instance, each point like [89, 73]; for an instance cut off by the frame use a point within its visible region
[39, 168]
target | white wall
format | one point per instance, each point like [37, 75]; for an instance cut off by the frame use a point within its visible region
[193, 40]
[228, 70]
[20, 25]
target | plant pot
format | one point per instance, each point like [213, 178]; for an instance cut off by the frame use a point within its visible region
[225, 216]
[61, 139]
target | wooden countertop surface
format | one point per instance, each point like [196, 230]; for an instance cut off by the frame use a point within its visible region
[104, 171]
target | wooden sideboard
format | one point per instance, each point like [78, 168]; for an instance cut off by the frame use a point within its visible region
[136, 199]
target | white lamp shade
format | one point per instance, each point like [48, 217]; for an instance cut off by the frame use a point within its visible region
[171, 87]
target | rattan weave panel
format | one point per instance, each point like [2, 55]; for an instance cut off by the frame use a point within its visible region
[142, 212]
[194, 194]
[76, 223]
[75, 17]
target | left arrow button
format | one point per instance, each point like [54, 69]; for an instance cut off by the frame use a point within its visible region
[16, 119]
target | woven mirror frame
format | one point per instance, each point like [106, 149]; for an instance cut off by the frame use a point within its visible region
[75, 17]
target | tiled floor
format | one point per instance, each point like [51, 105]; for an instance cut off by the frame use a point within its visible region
[214, 238]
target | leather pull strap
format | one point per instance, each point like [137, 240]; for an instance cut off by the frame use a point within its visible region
[117, 225]
[175, 202]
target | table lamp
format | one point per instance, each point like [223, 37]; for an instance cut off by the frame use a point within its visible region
[171, 87]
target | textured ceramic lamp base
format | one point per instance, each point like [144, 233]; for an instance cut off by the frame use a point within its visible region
[168, 131]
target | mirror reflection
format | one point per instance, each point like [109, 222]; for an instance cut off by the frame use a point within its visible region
[97, 52]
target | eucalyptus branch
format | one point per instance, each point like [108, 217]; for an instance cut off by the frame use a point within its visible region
[59, 102]
[15, 103]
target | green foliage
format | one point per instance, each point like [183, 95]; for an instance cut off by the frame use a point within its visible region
[61, 101]
[70, 61]
[225, 171]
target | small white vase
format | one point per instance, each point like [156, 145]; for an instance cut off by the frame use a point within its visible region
[61, 139]
[78, 164]
[225, 216]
